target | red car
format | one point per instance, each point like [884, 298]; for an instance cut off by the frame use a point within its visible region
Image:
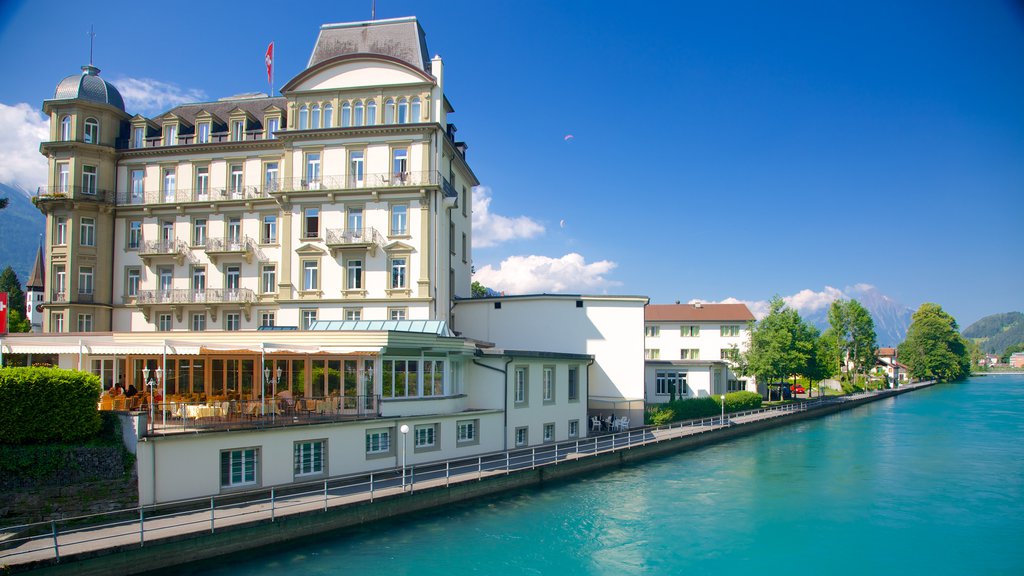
[798, 389]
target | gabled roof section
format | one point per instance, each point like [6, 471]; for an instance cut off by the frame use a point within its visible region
[35, 279]
[223, 108]
[400, 38]
[697, 312]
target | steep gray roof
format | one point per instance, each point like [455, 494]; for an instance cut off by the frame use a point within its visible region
[222, 108]
[401, 38]
[89, 86]
[35, 279]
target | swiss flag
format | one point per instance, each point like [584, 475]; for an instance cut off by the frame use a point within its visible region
[3, 313]
[269, 59]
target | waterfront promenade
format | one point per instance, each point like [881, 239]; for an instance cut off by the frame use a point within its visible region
[166, 531]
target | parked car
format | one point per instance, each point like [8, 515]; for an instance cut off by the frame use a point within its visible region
[799, 389]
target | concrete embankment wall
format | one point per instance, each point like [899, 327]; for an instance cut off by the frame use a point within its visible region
[174, 551]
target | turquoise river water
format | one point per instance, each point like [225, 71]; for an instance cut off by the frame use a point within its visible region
[930, 482]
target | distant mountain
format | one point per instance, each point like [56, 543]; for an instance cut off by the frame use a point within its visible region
[997, 332]
[891, 318]
[21, 225]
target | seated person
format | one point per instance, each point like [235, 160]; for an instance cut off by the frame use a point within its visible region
[131, 391]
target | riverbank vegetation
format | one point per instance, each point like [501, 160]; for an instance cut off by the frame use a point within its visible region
[693, 408]
[934, 347]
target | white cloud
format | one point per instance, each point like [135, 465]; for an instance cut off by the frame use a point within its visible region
[536, 274]
[493, 229]
[21, 164]
[805, 301]
[147, 96]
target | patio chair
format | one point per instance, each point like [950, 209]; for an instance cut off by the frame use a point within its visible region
[595, 423]
[623, 423]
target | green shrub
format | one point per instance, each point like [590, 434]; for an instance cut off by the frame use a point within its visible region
[42, 405]
[693, 408]
[742, 401]
[658, 415]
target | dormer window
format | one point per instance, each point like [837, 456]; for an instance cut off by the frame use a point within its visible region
[238, 130]
[92, 131]
[328, 116]
[170, 135]
[273, 125]
[303, 117]
[138, 137]
[65, 128]
[204, 133]
[417, 114]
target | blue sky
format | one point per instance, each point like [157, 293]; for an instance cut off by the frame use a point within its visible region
[719, 149]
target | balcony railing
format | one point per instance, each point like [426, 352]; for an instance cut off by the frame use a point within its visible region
[189, 296]
[366, 237]
[128, 198]
[167, 247]
[75, 193]
[61, 297]
[216, 247]
[370, 180]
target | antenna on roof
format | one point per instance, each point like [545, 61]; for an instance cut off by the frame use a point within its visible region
[92, 37]
[373, 10]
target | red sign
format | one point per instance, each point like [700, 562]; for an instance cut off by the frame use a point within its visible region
[3, 313]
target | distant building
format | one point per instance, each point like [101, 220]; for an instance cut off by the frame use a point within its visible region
[691, 349]
[1017, 359]
[35, 289]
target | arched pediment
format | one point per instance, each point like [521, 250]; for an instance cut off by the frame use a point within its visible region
[357, 71]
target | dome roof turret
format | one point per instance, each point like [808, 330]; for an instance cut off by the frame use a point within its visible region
[89, 86]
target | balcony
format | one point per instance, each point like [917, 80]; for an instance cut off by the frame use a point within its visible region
[179, 298]
[76, 193]
[354, 239]
[185, 195]
[226, 247]
[59, 297]
[167, 249]
[368, 181]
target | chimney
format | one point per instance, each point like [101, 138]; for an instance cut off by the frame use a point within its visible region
[697, 304]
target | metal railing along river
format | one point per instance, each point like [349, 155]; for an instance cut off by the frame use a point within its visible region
[142, 524]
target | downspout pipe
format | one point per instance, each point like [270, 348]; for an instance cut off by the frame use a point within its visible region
[504, 410]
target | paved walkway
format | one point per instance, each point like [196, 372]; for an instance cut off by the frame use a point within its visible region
[155, 525]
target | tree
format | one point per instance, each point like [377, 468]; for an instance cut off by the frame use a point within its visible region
[16, 317]
[780, 345]
[934, 347]
[854, 331]
[479, 290]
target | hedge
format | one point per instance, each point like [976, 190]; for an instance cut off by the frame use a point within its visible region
[692, 408]
[41, 405]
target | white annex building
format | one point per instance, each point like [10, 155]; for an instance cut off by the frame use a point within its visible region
[286, 280]
[689, 350]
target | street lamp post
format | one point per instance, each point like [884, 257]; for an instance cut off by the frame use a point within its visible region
[723, 409]
[405, 432]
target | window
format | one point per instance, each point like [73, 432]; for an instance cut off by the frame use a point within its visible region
[465, 204]
[133, 276]
[87, 232]
[314, 116]
[303, 118]
[425, 436]
[574, 383]
[163, 323]
[399, 220]
[198, 322]
[239, 467]
[61, 232]
[652, 354]
[731, 354]
[311, 222]
[134, 234]
[63, 177]
[57, 322]
[371, 113]
[310, 274]
[389, 111]
[652, 331]
[308, 317]
[138, 178]
[204, 133]
[416, 114]
[170, 135]
[313, 170]
[403, 111]
[354, 221]
[354, 275]
[465, 251]
[689, 354]
[689, 331]
[232, 279]
[238, 130]
[574, 428]
[234, 232]
[198, 279]
[328, 116]
[400, 164]
[60, 283]
[166, 280]
[730, 330]
[346, 115]
[273, 125]
[85, 280]
[268, 319]
[466, 431]
[353, 313]
[268, 279]
[451, 237]
[308, 457]
[89, 180]
[235, 186]
[378, 441]
[138, 137]
[549, 384]
[402, 378]
[549, 432]
[522, 436]
[167, 233]
[170, 184]
[65, 128]
[358, 108]
[270, 177]
[398, 270]
[355, 169]
[233, 321]
[199, 232]
[268, 231]
[85, 322]
[667, 382]
[397, 314]
[92, 131]
[520, 385]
